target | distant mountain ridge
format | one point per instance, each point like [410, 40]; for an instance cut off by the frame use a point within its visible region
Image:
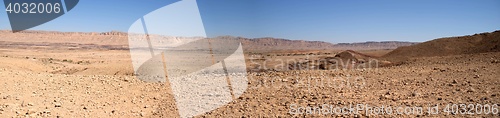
[249, 44]
[372, 45]
[268, 43]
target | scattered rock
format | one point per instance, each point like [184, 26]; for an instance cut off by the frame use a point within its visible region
[417, 76]
[454, 81]
[385, 97]
[439, 69]
[415, 94]
[476, 76]
[46, 111]
[30, 112]
[471, 90]
[57, 104]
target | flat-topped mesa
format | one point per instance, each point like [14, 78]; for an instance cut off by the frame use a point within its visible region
[48, 32]
[112, 33]
[116, 33]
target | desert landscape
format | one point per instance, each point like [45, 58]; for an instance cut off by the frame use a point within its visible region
[77, 74]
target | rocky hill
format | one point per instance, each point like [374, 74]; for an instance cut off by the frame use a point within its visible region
[471, 44]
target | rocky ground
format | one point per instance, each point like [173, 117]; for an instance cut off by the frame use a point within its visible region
[42, 77]
[422, 82]
[32, 86]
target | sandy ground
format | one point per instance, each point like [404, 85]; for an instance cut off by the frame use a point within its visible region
[47, 82]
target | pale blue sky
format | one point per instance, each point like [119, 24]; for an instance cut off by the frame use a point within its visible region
[324, 20]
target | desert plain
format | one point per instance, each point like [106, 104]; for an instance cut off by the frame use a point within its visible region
[57, 74]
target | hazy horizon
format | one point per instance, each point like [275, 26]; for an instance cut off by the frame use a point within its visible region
[267, 36]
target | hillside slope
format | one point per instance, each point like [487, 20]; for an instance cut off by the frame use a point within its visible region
[477, 43]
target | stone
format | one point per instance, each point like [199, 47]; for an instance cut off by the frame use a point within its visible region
[454, 81]
[476, 76]
[415, 94]
[57, 105]
[471, 90]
